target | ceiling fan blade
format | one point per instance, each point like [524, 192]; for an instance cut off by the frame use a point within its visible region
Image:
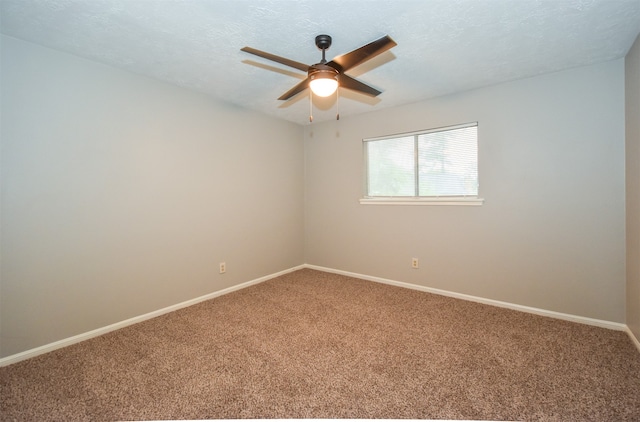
[278, 59]
[362, 54]
[295, 90]
[355, 85]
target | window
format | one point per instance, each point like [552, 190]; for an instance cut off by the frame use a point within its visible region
[438, 165]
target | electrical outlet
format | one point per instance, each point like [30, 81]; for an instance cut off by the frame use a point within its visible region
[223, 268]
[414, 263]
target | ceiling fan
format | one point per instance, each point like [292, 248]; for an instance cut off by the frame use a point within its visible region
[324, 78]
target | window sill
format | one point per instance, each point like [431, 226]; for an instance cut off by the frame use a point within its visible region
[423, 201]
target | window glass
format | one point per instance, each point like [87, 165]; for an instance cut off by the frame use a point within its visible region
[432, 163]
[392, 170]
[448, 162]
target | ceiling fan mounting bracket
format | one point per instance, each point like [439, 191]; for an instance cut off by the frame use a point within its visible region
[323, 42]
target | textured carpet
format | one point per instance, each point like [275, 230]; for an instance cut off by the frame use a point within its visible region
[316, 345]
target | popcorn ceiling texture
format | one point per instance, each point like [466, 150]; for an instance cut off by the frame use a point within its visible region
[443, 47]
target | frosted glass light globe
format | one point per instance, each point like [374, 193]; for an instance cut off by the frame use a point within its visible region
[323, 87]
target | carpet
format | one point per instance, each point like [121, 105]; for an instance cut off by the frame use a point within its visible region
[311, 344]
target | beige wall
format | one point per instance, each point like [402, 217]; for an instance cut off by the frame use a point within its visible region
[551, 232]
[121, 194]
[632, 67]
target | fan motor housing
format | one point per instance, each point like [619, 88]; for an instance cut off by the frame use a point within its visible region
[320, 70]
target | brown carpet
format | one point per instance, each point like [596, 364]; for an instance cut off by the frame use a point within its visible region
[316, 345]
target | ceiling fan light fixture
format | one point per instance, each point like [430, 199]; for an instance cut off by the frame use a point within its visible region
[323, 82]
[324, 78]
[323, 87]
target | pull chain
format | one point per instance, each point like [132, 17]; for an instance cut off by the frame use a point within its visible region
[311, 105]
[338, 103]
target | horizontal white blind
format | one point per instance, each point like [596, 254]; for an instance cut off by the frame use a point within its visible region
[432, 163]
[448, 162]
[392, 172]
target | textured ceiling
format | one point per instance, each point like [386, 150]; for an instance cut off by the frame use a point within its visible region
[444, 46]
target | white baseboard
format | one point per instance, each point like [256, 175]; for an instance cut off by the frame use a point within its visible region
[543, 312]
[100, 331]
[634, 339]
[97, 332]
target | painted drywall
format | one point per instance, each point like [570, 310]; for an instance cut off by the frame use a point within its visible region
[1, 113]
[121, 194]
[632, 133]
[551, 233]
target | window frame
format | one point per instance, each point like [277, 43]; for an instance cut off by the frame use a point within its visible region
[464, 200]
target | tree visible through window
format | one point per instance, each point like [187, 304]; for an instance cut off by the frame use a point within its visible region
[433, 163]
